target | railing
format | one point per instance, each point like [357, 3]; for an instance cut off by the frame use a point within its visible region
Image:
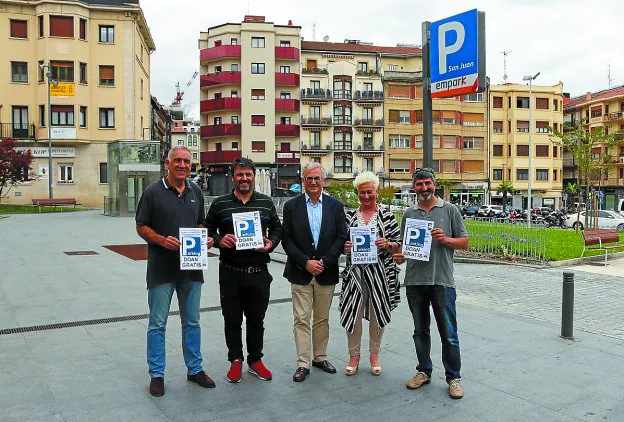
[286, 104]
[315, 70]
[615, 116]
[314, 148]
[402, 76]
[227, 129]
[17, 130]
[316, 121]
[286, 53]
[220, 78]
[369, 96]
[217, 104]
[316, 94]
[369, 122]
[287, 79]
[371, 73]
[213, 157]
[219, 52]
[342, 120]
[369, 146]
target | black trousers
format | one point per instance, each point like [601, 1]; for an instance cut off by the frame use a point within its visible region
[244, 294]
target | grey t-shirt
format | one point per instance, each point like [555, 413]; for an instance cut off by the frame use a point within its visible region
[439, 268]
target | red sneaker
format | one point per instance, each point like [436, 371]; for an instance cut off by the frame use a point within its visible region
[258, 369]
[236, 371]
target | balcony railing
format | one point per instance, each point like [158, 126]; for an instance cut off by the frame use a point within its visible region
[17, 130]
[286, 79]
[370, 73]
[402, 76]
[369, 96]
[369, 147]
[287, 130]
[316, 121]
[218, 104]
[220, 78]
[219, 52]
[615, 116]
[369, 122]
[316, 94]
[287, 53]
[216, 157]
[314, 70]
[286, 104]
[313, 149]
[227, 129]
[342, 120]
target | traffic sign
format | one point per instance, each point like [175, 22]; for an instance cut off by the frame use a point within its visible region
[457, 54]
[62, 90]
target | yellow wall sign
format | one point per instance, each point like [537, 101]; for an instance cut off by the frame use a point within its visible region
[62, 89]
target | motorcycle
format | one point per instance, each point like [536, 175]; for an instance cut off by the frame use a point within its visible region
[555, 219]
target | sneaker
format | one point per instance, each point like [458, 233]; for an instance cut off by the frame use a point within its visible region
[258, 369]
[456, 391]
[418, 381]
[235, 373]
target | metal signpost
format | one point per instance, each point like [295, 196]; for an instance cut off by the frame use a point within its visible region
[453, 64]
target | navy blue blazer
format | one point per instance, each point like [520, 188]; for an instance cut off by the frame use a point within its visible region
[298, 242]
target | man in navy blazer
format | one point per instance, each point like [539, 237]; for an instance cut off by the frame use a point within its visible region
[314, 234]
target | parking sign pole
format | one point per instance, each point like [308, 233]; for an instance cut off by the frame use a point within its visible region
[427, 103]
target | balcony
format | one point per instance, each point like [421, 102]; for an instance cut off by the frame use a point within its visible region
[342, 120]
[287, 53]
[17, 130]
[227, 129]
[316, 150]
[287, 130]
[614, 116]
[369, 96]
[286, 79]
[368, 73]
[286, 105]
[369, 122]
[218, 157]
[219, 104]
[219, 52]
[316, 95]
[220, 78]
[314, 71]
[316, 121]
[391, 76]
[368, 149]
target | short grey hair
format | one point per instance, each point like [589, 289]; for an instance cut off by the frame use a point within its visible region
[177, 147]
[366, 177]
[424, 173]
[313, 165]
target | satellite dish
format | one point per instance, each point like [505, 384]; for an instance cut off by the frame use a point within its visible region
[326, 38]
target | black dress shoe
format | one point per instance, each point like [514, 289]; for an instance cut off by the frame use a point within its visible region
[325, 366]
[300, 374]
[157, 387]
[201, 379]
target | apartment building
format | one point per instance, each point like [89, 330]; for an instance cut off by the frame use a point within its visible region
[510, 129]
[250, 101]
[98, 51]
[599, 109]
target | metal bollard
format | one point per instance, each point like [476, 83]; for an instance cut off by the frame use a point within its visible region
[567, 306]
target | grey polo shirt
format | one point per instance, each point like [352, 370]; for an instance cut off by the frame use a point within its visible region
[165, 210]
[439, 268]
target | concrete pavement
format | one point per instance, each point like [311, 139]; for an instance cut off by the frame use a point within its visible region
[515, 366]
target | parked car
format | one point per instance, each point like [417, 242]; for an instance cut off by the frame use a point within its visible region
[606, 220]
[490, 211]
[470, 211]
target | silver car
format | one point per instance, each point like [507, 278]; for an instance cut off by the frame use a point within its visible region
[606, 220]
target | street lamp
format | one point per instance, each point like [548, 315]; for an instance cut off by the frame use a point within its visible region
[54, 83]
[530, 79]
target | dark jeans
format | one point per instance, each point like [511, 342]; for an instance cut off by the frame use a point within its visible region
[247, 294]
[442, 300]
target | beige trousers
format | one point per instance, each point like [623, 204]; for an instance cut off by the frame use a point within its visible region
[311, 300]
[354, 339]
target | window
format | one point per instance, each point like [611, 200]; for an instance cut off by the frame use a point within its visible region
[218, 69]
[522, 174]
[541, 103]
[62, 26]
[257, 119]
[216, 121]
[343, 164]
[497, 174]
[233, 41]
[107, 75]
[40, 70]
[418, 142]
[66, 173]
[19, 29]
[194, 156]
[311, 64]
[284, 69]
[42, 116]
[541, 126]
[257, 68]
[180, 142]
[555, 106]
[368, 164]
[497, 102]
[596, 111]
[103, 173]
[342, 88]
[404, 116]
[474, 97]
[257, 94]
[448, 118]
[62, 71]
[497, 150]
[522, 150]
[399, 141]
[233, 94]
[522, 126]
[315, 86]
[473, 142]
[83, 29]
[315, 112]
[399, 166]
[473, 119]
[19, 72]
[315, 140]
[284, 43]
[234, 120]
[555, 149]
[62, 115]
[234, 146]
[257, 42]
[368, 87]
[398, 91]
[522, 102]
[285, 95]
[107, 34]
[342, 140]
[257, 146]
[497, 126]
[541, 174]
[362, 67]
[83, 73]
[234, 67]
[542, 150]
[82, 120]
[449, 141]
[41, 28]
[107, 118]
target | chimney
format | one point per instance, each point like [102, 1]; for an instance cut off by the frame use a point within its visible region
[588, 96]
[290, 22]
[566, 95]
[254, 19]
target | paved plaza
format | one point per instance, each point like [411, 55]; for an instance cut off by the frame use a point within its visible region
[515, 365]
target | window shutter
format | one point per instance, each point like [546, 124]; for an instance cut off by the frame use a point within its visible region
[107, 72]
[412, 92]
[399, 91]
[62, 26]
[393, 116]
[541, 124]
[472, 117]
[472, 166]
[19, 29]
[412, 116]
[412, 141]
[63, 108]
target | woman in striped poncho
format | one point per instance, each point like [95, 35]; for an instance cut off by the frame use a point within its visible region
[369, 291]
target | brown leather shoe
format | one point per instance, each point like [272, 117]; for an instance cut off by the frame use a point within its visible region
[202, 380]
[157, 387]
[300, 374]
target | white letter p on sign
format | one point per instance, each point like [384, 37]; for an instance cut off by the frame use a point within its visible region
[443, 49]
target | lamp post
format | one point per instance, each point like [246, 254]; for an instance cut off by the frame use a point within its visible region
[54, 83]
[530, 79]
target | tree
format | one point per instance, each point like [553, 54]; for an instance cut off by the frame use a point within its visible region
[386, 195]
[574, 190]
[344, 192]
[506, 188]
[14, 166]
[445, 186]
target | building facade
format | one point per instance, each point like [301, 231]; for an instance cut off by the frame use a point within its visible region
[99, 54]
[510, 129]
[250, 101]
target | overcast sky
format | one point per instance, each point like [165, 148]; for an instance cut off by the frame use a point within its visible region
[566, 40]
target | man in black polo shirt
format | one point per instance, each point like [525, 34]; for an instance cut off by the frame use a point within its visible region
[244, 279]
[165, 207]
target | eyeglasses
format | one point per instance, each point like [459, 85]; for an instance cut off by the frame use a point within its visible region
[313, 179]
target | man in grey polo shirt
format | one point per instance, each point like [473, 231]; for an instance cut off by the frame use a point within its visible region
[431, 283]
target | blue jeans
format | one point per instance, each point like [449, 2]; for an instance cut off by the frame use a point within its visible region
[159, 301]
[442, 300]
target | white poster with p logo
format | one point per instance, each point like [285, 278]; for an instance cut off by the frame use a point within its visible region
[193, 248]
[247, 230]
[363, 248]
[417, 239]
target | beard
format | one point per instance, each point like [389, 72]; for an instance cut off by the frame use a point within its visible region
[425, 195]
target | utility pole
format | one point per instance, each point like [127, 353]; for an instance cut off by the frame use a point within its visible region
[51, 82]
[427, 103]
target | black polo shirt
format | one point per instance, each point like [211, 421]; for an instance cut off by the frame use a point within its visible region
[165, 210]
[219, 223]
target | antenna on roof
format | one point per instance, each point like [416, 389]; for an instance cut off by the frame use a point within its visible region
[505, 54]
[326, 38]
[609, 78]
[248, 7]
[314, 31]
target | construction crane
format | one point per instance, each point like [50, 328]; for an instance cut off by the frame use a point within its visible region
[180, 93]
